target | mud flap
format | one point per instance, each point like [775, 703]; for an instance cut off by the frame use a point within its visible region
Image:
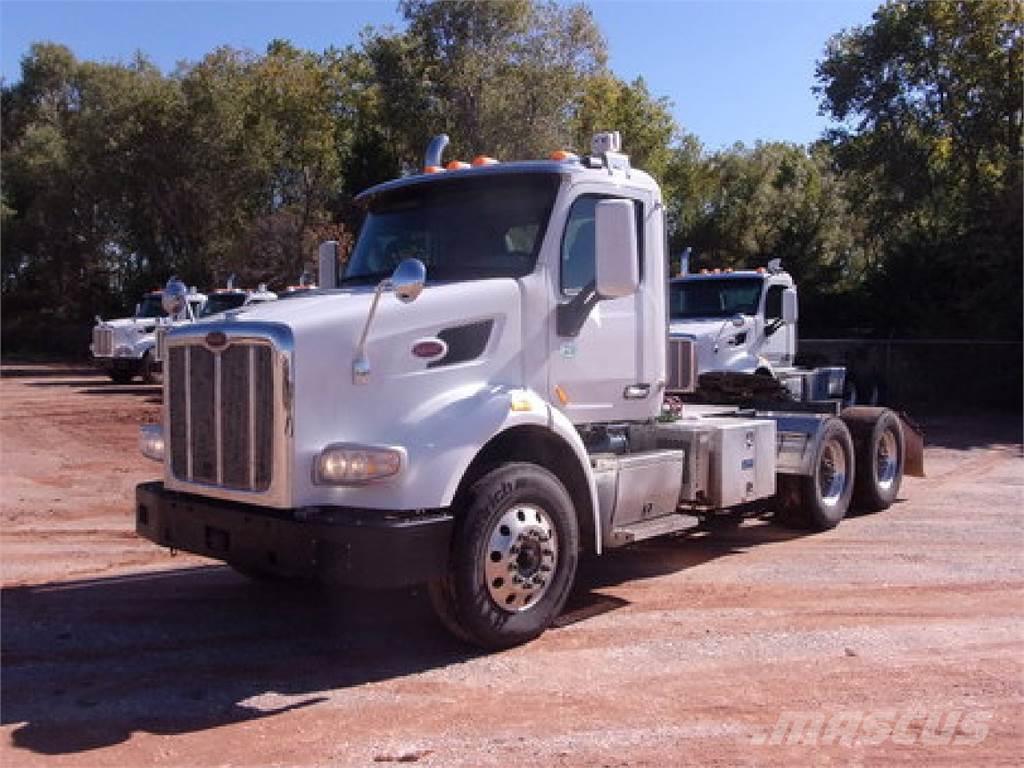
[913, 447]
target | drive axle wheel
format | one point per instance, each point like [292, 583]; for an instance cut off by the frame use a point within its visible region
[821, 500]
[878, 437]
[513, 558]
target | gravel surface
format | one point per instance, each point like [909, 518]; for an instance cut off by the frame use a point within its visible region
[897, 638]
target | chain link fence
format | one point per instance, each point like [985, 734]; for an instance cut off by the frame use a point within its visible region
[926, 373]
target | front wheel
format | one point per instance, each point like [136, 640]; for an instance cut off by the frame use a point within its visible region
[120, 376]
[150, 370]
[513, 558]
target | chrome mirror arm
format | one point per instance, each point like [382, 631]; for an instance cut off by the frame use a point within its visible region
[407, 283]
[360, 362]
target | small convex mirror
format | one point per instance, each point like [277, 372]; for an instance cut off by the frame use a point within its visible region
[174, 296]
[408, 279]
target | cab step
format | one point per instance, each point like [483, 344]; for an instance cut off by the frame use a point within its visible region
[648, 529]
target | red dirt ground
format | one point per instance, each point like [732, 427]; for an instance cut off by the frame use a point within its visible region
[905, 626]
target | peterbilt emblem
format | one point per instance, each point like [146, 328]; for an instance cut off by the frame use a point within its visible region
[216, 340]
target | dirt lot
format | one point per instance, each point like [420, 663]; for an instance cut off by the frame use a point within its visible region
[900, 633]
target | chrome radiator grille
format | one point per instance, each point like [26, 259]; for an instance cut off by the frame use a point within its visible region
[103, 342]
[220, 408]
[682, 364]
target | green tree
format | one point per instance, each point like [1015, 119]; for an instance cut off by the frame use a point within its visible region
[502, 79]
[928, 100]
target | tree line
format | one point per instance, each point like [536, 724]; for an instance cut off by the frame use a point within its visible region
[903, 219]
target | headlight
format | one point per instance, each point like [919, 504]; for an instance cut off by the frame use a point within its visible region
[355, 464]
[151, 441]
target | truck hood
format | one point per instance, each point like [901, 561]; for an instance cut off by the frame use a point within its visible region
[712, 338]
[706, 328]
[146, 324]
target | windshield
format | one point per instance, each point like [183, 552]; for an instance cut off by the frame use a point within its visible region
[461, 229]
[151, 306]
[723, 297]
[222, 302]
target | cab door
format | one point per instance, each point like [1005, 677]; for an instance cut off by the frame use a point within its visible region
[779, 348]
[596, 370]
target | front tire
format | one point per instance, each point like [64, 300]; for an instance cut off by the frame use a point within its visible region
[149, 370]
[120, 376]
[513, 559]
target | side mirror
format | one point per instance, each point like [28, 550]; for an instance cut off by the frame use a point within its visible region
[328, 264]
[408, 279]
[407, 282]
[174, 297]
[616, 268]
[790, 311]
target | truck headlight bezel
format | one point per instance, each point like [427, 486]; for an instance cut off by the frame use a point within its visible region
[353, 464]
[151, 442]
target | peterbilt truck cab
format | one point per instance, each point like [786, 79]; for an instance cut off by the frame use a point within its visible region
[741, 321]
[125, 347]
[477, 400]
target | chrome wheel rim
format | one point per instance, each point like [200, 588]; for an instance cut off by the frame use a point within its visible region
[886, 460]
[832, 473]
[521, 557]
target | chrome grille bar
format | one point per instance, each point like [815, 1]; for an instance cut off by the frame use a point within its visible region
[252, 417]
[218, 412]
[188, 412]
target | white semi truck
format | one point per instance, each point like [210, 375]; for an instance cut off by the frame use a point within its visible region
[741, 321]
[125, 347]
[478, 400]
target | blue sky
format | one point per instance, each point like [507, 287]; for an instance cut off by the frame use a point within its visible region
[734, 70]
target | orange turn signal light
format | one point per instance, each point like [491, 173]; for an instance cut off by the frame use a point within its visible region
[456, 165]
[433, 169]
[483, 160]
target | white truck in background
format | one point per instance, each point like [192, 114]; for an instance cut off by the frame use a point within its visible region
[479, 400]
[745, 322]
[218, 302]
[125, 347]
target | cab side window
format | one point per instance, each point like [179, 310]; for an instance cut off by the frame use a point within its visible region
[578, 251]
[773, 303]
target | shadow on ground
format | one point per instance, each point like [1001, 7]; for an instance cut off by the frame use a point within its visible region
[963, 431]
[42, 371]
[88, 663]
